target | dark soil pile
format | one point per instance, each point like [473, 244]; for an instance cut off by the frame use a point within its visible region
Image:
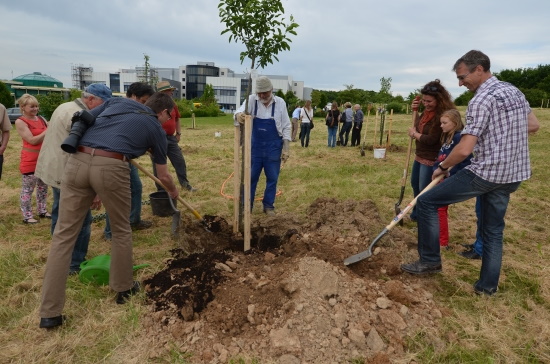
[290, 299]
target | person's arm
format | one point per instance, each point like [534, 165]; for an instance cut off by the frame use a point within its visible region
[533, 124]
[460, 152]
[23, 130]
[5, 138]
[164, 176]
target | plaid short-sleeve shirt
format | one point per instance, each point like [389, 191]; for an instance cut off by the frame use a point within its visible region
[497, 115]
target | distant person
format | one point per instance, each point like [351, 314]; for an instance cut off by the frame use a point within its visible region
[32, 129]
[498, 122]
[426, 133]
[295, 118]
[331, 120]
[347, 120]
[357, 125]
[173, 135]
[270, 139]
[122, 129]
[306, 117]
[52, 161]
[140, 92]
[5, 127]
[451, 125]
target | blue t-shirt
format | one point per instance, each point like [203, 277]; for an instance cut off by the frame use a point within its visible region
[446, 150]
[127, 127]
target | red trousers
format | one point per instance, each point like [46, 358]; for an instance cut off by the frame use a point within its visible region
[443, 226]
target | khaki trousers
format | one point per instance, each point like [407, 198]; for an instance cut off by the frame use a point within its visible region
[84, 177]
[294, 129]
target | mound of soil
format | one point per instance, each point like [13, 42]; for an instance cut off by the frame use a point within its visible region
[289, 299]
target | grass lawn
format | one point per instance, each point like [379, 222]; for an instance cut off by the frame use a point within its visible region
[511, 327]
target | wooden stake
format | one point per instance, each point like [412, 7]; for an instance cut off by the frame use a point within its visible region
[375, 127]
[247, 175]
[236, 178]
[388, 142]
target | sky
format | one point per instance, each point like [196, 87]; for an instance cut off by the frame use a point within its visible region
[338, 43]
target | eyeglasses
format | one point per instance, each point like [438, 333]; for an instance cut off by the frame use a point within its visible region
[428, 89]
[462, 77]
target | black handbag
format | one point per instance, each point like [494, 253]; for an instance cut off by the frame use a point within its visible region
[311, 126]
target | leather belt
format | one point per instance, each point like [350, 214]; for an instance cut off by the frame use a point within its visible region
[101, 153]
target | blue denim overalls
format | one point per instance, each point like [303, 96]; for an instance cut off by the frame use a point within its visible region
[267, 146]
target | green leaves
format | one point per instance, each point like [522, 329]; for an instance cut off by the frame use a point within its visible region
[260, 26]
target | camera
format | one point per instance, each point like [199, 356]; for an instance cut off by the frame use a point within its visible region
[81, 121]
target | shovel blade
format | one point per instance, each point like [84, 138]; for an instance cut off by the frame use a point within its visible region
[358, 257]
[367, 253]
[176, 224]
[362, 152]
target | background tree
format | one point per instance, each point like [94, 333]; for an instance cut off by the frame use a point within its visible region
[6, 98]
[208, 96]
[280, 93]
[323, 101]
[291, 100]
[74, 94]
[385, 90]
[49, 102]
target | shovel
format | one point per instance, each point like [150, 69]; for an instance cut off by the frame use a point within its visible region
[406, 169]
[367, 253]
[176, 219]
[365, 135]
[189, 207]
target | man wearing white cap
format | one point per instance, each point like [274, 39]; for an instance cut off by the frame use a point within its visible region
[270, 139]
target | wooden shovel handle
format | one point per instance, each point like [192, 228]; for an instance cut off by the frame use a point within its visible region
[152, 176]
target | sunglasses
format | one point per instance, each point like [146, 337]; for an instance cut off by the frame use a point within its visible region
[428, 89]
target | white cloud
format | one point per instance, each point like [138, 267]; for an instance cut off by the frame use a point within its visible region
[349, 42]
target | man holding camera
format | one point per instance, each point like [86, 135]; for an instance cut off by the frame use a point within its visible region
[52, 160]
[104, 140]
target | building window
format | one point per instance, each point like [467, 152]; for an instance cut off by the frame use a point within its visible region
[182, 71]
[223, 73]
[295, 84]
[183, 79]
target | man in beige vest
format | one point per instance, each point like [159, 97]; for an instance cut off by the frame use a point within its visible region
[5, 127]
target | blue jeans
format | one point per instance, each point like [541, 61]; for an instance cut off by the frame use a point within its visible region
[304, 134]
[332, 131]
[345, 130]
[83, 239]
[136, 189]
[478, 244]
[421, 176]
[494, 200]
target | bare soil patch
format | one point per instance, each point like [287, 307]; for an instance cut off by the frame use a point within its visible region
[290, 299]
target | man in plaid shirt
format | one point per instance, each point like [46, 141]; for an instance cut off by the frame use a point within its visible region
[498, 120]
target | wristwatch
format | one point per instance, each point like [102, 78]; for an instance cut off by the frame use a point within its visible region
[441, 167]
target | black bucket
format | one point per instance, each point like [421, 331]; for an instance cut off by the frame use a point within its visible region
[161, 205]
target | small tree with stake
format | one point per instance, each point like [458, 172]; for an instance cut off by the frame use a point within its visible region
[260, 25]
